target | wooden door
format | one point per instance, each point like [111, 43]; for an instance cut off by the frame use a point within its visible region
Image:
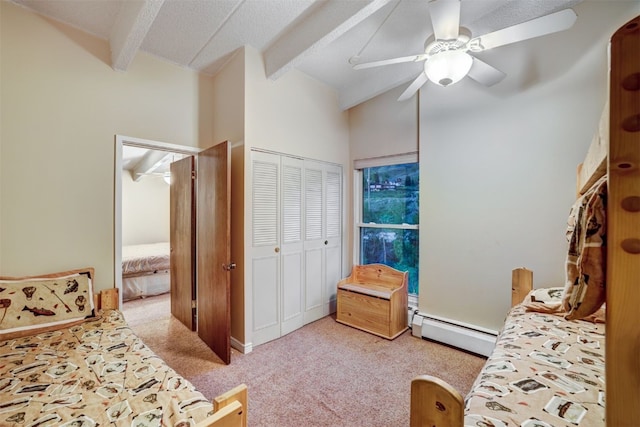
[182, 241]
[213, 290]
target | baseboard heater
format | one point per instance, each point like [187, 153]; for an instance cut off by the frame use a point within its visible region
[457, 334]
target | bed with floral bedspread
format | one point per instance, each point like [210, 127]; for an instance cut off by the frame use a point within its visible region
[94, 373]
[545, 371]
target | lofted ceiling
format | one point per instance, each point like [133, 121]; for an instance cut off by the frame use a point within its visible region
[143, 162]
[318, 37]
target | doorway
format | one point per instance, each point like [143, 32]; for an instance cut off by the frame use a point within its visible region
[146, 160]
[203, 219]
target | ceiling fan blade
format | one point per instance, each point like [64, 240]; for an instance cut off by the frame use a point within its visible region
[445, 18]
[552, 23]
[413, 87]
[412, 58]
[484, 73]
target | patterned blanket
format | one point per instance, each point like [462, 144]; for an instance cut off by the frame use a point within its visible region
[544, 371]
[96, 373]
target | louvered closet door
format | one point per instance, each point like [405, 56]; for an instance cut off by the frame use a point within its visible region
[333, 236]
[313, 241]
[265, 251]
[323, 237]
[291, 258]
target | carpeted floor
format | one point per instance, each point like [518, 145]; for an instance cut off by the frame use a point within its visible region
[324, 374]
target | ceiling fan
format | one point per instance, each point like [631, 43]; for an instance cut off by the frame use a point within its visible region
[448, 52]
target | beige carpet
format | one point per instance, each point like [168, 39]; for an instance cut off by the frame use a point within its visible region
[324, 374]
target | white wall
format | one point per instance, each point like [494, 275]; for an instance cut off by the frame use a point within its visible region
[383, 126]
[496, 188]
[61, 106]
[294, 114]
[145, 210]
[228, 124]
[228, 101]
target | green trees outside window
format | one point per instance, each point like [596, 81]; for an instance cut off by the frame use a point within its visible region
[390, 218]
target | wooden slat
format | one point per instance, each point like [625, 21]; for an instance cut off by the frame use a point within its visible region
[367, 289]
[238, 393]
[623, 231]
[595, 163]
[230, 409]
[229, 416]
[521, 284]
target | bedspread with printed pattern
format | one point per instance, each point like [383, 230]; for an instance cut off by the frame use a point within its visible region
[544, 371]
[96, 373]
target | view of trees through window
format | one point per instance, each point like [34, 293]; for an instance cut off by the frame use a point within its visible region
[390, 217]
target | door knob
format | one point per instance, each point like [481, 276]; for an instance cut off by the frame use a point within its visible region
[326, 242]
[277, 249]
[229, 267]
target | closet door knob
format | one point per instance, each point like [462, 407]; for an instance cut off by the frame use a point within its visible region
[326, 242]
[277, 249]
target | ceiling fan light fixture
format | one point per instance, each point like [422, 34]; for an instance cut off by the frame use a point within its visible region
[448, 67]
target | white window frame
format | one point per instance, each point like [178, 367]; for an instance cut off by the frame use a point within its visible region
[358, 166]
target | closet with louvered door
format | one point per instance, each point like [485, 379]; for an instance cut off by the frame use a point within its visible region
[277, 257]
[322, 237]
[296, 242]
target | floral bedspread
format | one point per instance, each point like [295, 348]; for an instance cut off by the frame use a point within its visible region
[96, 373]
[544, 371]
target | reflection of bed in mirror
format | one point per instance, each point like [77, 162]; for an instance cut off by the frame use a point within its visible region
[145, 270]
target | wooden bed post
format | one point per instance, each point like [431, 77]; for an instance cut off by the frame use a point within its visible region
[109, 299]
[521, 284]
[434, 403]
[622, 353]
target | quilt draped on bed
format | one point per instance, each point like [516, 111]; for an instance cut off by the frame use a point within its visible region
[544, 372]
[96, 373]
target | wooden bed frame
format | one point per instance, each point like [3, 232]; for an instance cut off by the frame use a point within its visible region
[230, 408]
[615, 150]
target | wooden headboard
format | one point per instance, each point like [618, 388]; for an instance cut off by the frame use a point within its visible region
[622, 353]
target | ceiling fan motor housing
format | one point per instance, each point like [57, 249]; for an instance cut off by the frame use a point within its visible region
[447, 60]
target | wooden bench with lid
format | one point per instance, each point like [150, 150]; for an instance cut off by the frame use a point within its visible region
[374, 299]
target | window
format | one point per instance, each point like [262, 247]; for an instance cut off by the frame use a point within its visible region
[388, 216]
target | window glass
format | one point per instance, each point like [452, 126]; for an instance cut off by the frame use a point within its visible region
[390, 194]
[390, 217]
[394, 247]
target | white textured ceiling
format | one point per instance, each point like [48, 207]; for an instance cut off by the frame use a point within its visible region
[318, 37]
